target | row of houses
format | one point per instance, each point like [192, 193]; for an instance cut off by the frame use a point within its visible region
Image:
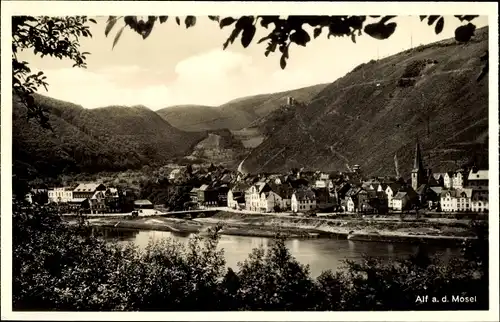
[91, 198]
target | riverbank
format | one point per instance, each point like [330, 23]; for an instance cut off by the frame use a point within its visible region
[260, 225]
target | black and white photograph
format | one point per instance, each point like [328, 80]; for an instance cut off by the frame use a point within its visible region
[223, 158]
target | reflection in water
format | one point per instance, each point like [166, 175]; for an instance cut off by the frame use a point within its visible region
[320, 254]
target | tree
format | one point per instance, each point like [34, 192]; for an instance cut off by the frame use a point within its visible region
[46, 36]
[288, 30]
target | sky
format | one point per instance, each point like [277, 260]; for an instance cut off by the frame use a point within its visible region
[178, 66]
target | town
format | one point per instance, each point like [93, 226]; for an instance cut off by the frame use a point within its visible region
[296, 192]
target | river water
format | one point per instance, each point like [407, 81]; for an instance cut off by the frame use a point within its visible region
[321, 254]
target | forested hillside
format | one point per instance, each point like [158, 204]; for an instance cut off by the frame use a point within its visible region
[91, 140]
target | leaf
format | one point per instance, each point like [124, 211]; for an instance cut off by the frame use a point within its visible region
[386, 19]
[163, 19]
[226, 22]
[439, 26]
[178, 20]
[379, 31]
[317, 32]
[110, 25]
[432, 19]
[300, 37]
[353, 37]
[247, 36]
[147, 30]
[263, 39]
[283, 62]
[214, 18]
[465, 33]
[92, 20]
[118, 35]
[190, 21]
[422, 18]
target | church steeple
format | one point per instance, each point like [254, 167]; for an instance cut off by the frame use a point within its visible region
[417, 162]
[418, 172]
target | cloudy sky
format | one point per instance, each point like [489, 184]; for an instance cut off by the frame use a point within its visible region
[177, 66]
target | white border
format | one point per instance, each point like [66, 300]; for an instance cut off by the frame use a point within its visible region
[95, 8]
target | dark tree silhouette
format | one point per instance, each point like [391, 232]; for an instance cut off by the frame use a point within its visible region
[45, 36]
[288, 30]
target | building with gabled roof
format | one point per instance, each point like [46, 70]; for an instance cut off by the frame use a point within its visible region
[303, 200]
[87, 190]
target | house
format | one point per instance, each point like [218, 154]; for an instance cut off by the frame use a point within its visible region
[479, 202]
[112, 200]
[222, 191]
[448, 201]
[58, 195]
[463, 199]
[253, 195]
[143, 204]
[320, 184]
[269, 201]
[87, 190]
[98, 202]
[236, 196]
[478, 179]
[459, 179]
[303, 200]
[323, 198]
[448, 180]
[391, 190]
[285, 192]
[438, 179]
[177, 174]
[352, 200]
[324, 176]
[352, 204]
[208, 196]
[400, 201]
[193, 195]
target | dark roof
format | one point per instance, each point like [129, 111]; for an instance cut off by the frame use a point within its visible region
[400, 195]
[305, 194]
[240, 187]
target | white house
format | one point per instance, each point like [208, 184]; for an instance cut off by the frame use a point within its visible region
[448, 201]
[463, 197]
[458, 180]
[351, 204]
[235, 199]
[400, 200]
[269, 200]
[448, 180]
[390, 192]
[478, 180]
[320, 184]
[253, 196]
[231, 202]
[303, 200]
[58, 195]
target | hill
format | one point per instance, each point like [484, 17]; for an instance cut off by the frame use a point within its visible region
[92, 140]
[378, 110]
[220, 147]
[234, 115]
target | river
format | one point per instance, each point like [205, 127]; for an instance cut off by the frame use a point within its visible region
[321, 253]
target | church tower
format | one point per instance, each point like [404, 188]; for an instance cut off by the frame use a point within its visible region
[418, 172]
